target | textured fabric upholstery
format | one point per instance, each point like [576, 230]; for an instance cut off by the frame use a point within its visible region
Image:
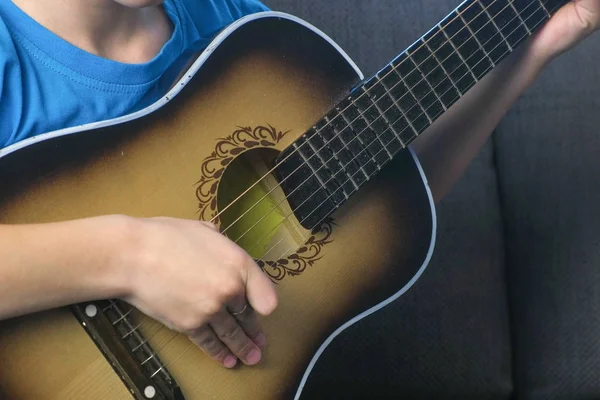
[448, 337]
[548, 150]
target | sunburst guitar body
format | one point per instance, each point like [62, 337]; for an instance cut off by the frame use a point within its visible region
[208, 150]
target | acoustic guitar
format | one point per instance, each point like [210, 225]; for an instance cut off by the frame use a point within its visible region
[273, 134]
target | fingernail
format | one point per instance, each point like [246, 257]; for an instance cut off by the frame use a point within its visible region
[253, 357]
[230, 361]
[260, 341]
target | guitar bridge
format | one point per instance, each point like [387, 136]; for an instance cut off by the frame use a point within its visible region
[111, 328]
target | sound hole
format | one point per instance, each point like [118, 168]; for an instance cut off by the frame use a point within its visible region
[255, 212]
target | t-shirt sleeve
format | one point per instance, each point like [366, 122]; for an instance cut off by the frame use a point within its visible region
[11, 93]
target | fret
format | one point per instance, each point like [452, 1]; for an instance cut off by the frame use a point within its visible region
[394, 90]
[486, 32]
[461, 58]
[345, 127]
[387, 114]
[472, 32]
[307, 197]
[530, 12]
[545, 9]
[391, 111]
[323, 171]
[371, 120]
[412, 81]
[388, 135]
[360, 138]
[448, 94]
[330, 132]
[431, 74]
[308, 158]
[507, 20]
[467, 48]
[454, 68]
[511, 3]
[491, 19]
[403, 99]
[444, 87]
[411, 108]
[328, 155]
[356, 174]
[333, 157]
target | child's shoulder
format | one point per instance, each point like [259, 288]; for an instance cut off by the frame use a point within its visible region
[10, 79]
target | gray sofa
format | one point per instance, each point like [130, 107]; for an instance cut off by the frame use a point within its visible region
[509, 306]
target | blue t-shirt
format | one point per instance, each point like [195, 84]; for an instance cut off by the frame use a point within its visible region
[48, 84]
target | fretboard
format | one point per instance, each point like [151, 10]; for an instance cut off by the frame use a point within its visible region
[386, 112]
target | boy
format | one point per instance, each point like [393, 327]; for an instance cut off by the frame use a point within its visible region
[67, 62]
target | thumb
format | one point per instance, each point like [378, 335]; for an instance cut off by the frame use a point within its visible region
[568, 27]
[260, 291]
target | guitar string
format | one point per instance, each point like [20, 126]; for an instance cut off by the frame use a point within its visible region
[362, 112]
[357, 136]
[188, 343]
[365, 92]
[489, 68]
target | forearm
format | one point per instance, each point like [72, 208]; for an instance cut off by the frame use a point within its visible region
[450, 144]
[51, 265]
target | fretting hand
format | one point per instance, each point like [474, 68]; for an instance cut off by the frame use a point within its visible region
[568, 27]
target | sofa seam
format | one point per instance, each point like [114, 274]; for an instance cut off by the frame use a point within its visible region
[502, 211]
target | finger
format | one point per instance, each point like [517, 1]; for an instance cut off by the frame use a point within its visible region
[206, 339]
[230, 332]
[248, 320]
[260, 291]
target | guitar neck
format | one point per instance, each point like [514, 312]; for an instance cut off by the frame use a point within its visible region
[386, 112]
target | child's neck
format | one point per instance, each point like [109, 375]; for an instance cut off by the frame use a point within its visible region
[104, 27]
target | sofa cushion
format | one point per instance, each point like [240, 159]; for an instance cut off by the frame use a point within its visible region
[548, 150]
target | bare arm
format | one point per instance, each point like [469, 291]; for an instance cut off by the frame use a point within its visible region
[450, 144]
[182, 273]
[51, 265]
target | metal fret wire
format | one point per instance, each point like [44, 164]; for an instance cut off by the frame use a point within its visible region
[329, 123]
[506, 52]
[174, 336]
[395, 104]
[366, 91]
